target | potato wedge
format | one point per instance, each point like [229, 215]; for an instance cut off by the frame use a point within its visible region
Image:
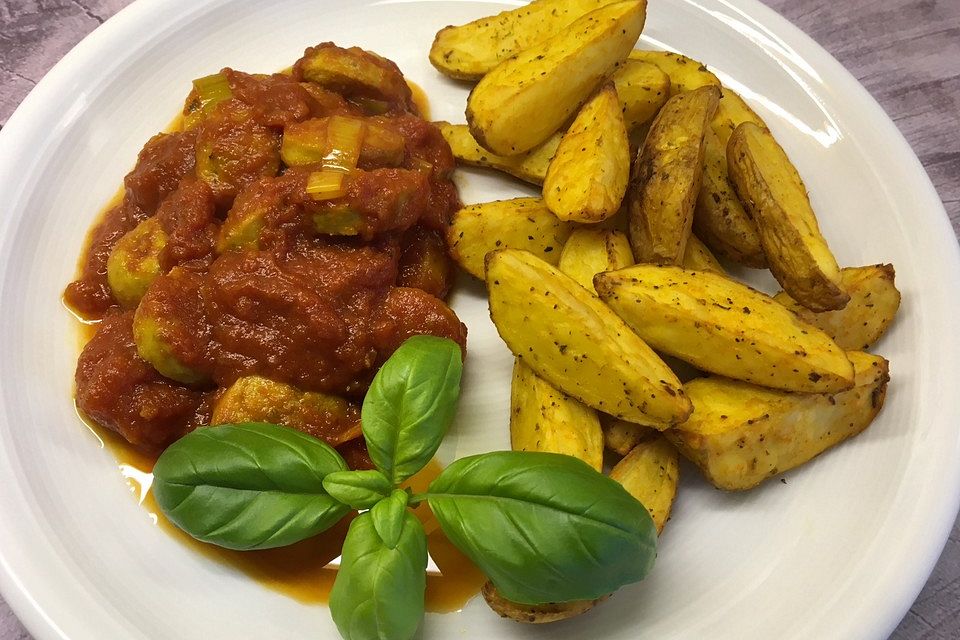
[666, 177]
[643, 89]
[535, 613]
[529, 97]
[722, 326]
[543, 418]
[740, 434]
[588, 252]
[874, 301]
[650, 473]
[775, 197]
[621, 437]
[530, 166]
[718, 217]
[732, 111]
[258, 399]
[697, 257]
[686, 74]
[575, 342]
[587, 178]
[520, 223]
[470, 51]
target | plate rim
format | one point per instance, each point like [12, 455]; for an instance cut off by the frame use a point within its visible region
[43, 626]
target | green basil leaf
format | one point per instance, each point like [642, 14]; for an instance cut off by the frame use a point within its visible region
[248, 486]
[378, 592]
[544, 527]
[410, 404]
[358, 489]
[388, 517]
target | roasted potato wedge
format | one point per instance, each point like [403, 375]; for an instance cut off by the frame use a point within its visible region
[470, 51]
[135, 262]
[775, 197]
[667, 175]
[740, 434]
[874, 301]
[725, 327]
[521, 223]
[621, 437]
[697, 257]
[718, 217]
[258, 399]
[529, 97]
[587, 178]
[588, 252]
[732, 111]
[530, 166]
[535, 613]
[686, 74]
[543, 418]
[643, 89]
[571, 339]
[650, 473]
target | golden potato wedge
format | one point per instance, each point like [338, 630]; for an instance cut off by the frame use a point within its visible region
[697, 257]
[543, 418]
[258, 399]
[686, 74]
[874, 301]
[740, 434]
[666, 177]
[535, 613]
[529, 97]
[469, 51]
[650, 473]
[775, 197]
[520, 223]
[643, 89]
[621, 437]
[530, 166]
[588, 252]
[588, 175]
[722, 326]
[575, 342]
[732, 111]
[718, 217]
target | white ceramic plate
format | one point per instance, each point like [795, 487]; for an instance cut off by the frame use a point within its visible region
[840, 550]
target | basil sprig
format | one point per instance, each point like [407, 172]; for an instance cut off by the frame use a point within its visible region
[543, 527]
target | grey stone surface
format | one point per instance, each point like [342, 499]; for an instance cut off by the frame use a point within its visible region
[905, 52]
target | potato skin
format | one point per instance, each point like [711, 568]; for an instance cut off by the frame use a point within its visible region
[530, 167]
[667, 175]
[874, 301]
[520, 223]
[575, 342]
[587, 178]
[686, 74]
[470, 51]
[588, 252]
[535, 613]
[727, 328]
[719, 218]
[528, 97]
[650, 473]
[775, 197]
[543, 418]
[740, 434]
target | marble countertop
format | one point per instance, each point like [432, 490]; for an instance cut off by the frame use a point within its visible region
[905, 52]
